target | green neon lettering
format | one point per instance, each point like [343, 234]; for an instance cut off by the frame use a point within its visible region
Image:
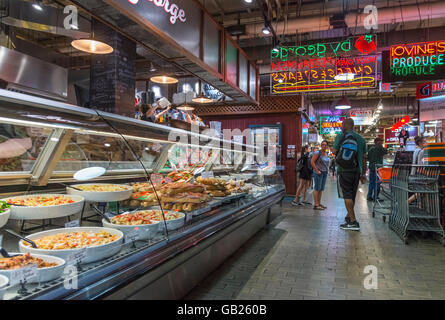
[395, 62]
[335, 49]
[311, 50]
[297, 49]
[283, 53]
[410, 61]
[440, 58]
[321, 52]
[348, 45]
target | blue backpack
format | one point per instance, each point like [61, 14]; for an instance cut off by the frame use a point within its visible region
[348, 152]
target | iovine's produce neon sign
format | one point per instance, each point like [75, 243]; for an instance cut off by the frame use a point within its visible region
[331, 124]
[319, 74]
[364, 44]
[174, 11]
[411, 61]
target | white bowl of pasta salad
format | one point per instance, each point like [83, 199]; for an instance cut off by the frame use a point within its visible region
[102, 192]
[44, 206]
[100, 243]
[146, 222]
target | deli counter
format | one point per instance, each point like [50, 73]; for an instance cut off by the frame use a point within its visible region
[94, 205]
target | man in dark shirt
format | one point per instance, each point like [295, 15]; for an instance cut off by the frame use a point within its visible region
[375, 156]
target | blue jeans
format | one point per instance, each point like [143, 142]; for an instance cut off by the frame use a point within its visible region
[374, 186]
[320, 180]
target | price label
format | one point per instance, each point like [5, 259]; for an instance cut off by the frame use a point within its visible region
[207, 174]
[77, 257]
[72, 224]
[24, 274]
[131, 236]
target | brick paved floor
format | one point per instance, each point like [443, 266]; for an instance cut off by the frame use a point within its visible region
[304, 255]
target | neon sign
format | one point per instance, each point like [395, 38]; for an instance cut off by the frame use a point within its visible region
[364, 44]
[331, 124]
[411, 62]
[320, 74]
[172, 9]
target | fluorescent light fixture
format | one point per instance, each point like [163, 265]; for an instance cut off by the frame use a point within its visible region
[248, 1]
[433, 122]
[345, 76]
[54, 139]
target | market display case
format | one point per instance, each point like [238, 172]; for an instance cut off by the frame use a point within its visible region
[109, 200]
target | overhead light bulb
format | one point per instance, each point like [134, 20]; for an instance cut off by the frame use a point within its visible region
[266, 30]
[343, 104]
[345, 76]
[248, 1]
[380, 107]
[37, 5]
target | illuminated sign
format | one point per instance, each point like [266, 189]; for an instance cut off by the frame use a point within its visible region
[430, 89]
[404, 121]
[364, 44]
[415, 61]
[174, 11]
[320, 74]
[392, 136]
[330, 125]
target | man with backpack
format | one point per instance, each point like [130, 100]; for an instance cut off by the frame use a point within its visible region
[350, 150]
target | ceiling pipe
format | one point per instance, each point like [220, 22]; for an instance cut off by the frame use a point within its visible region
[428, 11]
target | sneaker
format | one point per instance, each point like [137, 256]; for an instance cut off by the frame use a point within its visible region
[307, 203]
[350, 226]
[296, 203]
[347, 219]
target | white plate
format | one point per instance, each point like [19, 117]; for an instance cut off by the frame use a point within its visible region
[106, 196]
[93, 254]
[50, 212]
[4, 216]
[89, 173]
[43, 274]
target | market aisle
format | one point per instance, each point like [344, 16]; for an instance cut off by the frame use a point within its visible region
[305, 255]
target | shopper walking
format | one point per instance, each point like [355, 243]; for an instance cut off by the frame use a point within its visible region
[417, 160]
[350, 150]
[375, 156]
[305, 172]
[320, 165]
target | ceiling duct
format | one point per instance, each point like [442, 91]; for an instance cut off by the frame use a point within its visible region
[237, 30]
[425, 12]
[21, 14]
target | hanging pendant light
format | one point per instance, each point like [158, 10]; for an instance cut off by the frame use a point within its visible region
[343, 104]
[201, 98]
[164, 80]
[92, 46]
[185, 107]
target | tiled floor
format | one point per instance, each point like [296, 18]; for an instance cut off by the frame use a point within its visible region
[304, 255]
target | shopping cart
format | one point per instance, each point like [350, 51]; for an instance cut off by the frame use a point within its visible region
[382, 202]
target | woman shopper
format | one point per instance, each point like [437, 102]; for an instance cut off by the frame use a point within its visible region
[320, 164]
[305, 178]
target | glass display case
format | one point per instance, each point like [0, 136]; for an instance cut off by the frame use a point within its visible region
[108, 200]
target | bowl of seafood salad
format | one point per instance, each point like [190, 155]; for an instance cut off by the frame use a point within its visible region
[99, 243]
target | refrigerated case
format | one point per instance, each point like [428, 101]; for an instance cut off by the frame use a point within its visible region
[43, 143]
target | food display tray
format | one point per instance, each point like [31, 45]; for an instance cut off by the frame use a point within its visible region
[49, 212]
[106, 196]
